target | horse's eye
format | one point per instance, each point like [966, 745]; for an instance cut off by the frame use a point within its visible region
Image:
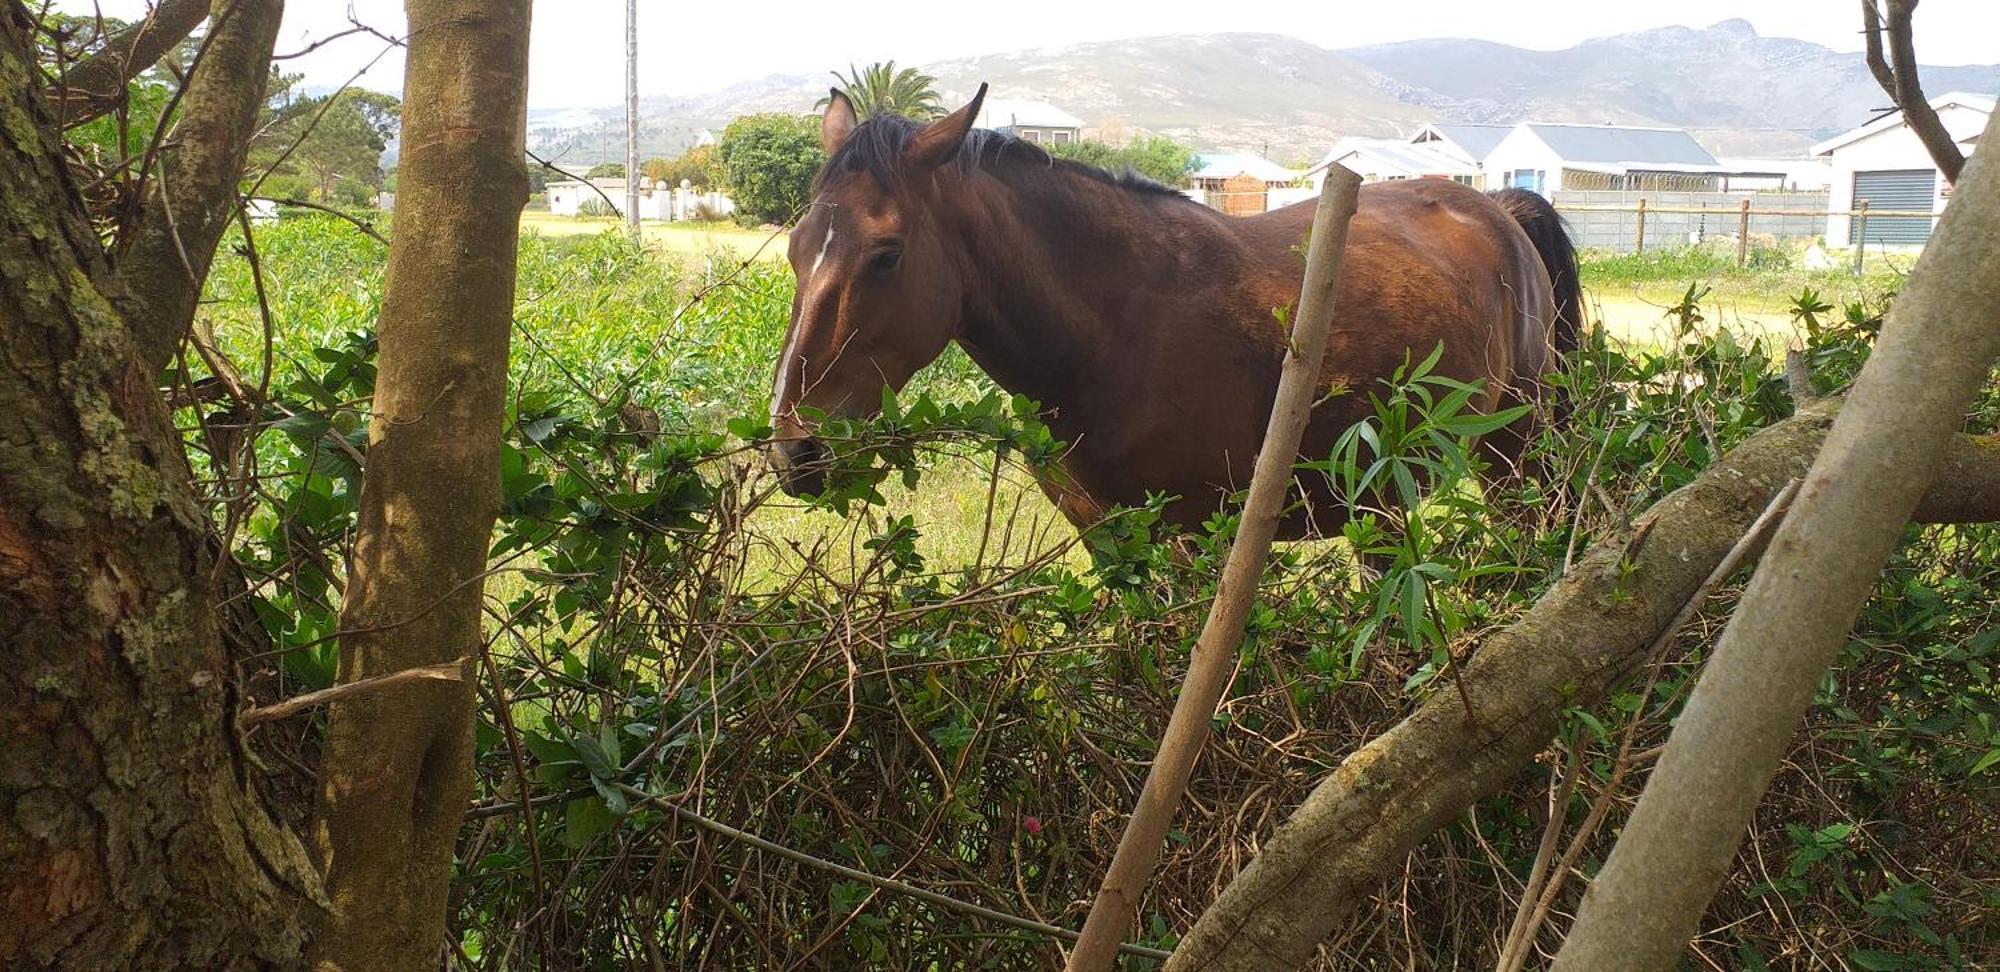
[885, 261]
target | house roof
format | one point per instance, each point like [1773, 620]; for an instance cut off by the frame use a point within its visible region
[1399, 156]
[1018, 113]
[1222, 165]
[1626, 148]
[1473, 141]
[1894, 119]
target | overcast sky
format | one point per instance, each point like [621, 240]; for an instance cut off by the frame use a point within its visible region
[687, 48]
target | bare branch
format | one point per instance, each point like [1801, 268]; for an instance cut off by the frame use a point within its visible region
[96, 84]
[1898, 76]
[446, 671]
[1215, 654]
[194, 196]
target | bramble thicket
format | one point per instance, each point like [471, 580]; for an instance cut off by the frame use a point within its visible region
[923, 675]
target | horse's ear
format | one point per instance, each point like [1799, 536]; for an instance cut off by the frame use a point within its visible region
[838, 122]
[940, 140]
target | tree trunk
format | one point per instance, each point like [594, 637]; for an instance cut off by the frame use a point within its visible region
[130, 837]
[1823, 563]
[398, 770]
[1583, 638]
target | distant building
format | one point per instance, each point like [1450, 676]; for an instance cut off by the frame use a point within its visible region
[1035, 121]
[1782, 175]
[1242, 183]
[1885, 164]
[1470, 143]
[1393, 160]
[571, 197]
[1549, 158]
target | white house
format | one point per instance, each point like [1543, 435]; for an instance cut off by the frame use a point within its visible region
[570, 197]
[1470, 143]
[1036, 121]
[1549, 158]
[1393, 160]
[1885, 163]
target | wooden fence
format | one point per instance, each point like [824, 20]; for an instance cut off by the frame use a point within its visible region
[1629, 222]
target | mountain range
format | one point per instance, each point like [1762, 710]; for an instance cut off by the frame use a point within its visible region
[1740, 92]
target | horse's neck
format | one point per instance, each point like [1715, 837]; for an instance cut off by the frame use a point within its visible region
[1049, 276]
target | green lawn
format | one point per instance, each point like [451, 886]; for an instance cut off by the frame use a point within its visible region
[686, 238]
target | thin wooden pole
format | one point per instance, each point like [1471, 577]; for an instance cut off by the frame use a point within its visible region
[1860, 235]
[1215, 653]
[1640, 246]
[632, 118]
[1743, 237]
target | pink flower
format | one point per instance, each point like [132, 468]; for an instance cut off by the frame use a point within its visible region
[1033, 825]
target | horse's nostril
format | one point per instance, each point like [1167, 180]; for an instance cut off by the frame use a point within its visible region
[801, 466]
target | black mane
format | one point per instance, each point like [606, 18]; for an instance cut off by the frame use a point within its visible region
[876, 147]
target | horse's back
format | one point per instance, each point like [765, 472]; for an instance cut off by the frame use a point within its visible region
[1428, 262]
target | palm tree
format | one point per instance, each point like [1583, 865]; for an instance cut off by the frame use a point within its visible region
[880, 89]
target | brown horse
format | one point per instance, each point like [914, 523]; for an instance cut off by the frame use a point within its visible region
[1144, 322]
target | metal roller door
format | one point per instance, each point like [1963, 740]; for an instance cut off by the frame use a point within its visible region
[1908, 190]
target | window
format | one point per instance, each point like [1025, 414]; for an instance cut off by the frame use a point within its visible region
[1061, 136]
[1462, 180]
[1032, 135]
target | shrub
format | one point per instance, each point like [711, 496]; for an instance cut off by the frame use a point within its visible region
[699, 167]
[1156, 157]
[768, 163]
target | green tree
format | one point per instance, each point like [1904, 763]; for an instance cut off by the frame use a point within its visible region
[327, 147]
[768, 163]
[606, 170]
[1161, 159]
[1156, 157]
[881, 89]
[699, 167]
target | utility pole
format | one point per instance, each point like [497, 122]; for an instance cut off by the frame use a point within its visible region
[632, 118]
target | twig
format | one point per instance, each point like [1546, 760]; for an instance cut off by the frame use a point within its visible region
[329, 210]
[451, 671]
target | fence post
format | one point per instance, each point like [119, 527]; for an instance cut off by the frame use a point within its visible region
[1743, 237]
[1860, 235]
[1639, 246]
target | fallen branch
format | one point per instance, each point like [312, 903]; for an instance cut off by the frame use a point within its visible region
[1582, 639]
[448, 672]
[1824, 563]
[1535, 908]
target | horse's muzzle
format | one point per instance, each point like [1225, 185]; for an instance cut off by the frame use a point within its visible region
[800, 465]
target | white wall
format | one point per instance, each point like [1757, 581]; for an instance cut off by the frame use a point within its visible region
[1523, 149]
[1889, 149]
[1278, 197]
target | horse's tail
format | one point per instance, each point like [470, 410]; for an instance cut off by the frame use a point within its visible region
[1544, 226]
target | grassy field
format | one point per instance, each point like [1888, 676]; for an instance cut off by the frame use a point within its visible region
[697, 239]
[1630, 296]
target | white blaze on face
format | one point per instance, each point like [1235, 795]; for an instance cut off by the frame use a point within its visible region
[788, 355]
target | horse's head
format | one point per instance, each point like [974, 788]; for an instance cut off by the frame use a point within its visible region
[880, 293]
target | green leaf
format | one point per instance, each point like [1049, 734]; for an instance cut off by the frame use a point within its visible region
[594, 758]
